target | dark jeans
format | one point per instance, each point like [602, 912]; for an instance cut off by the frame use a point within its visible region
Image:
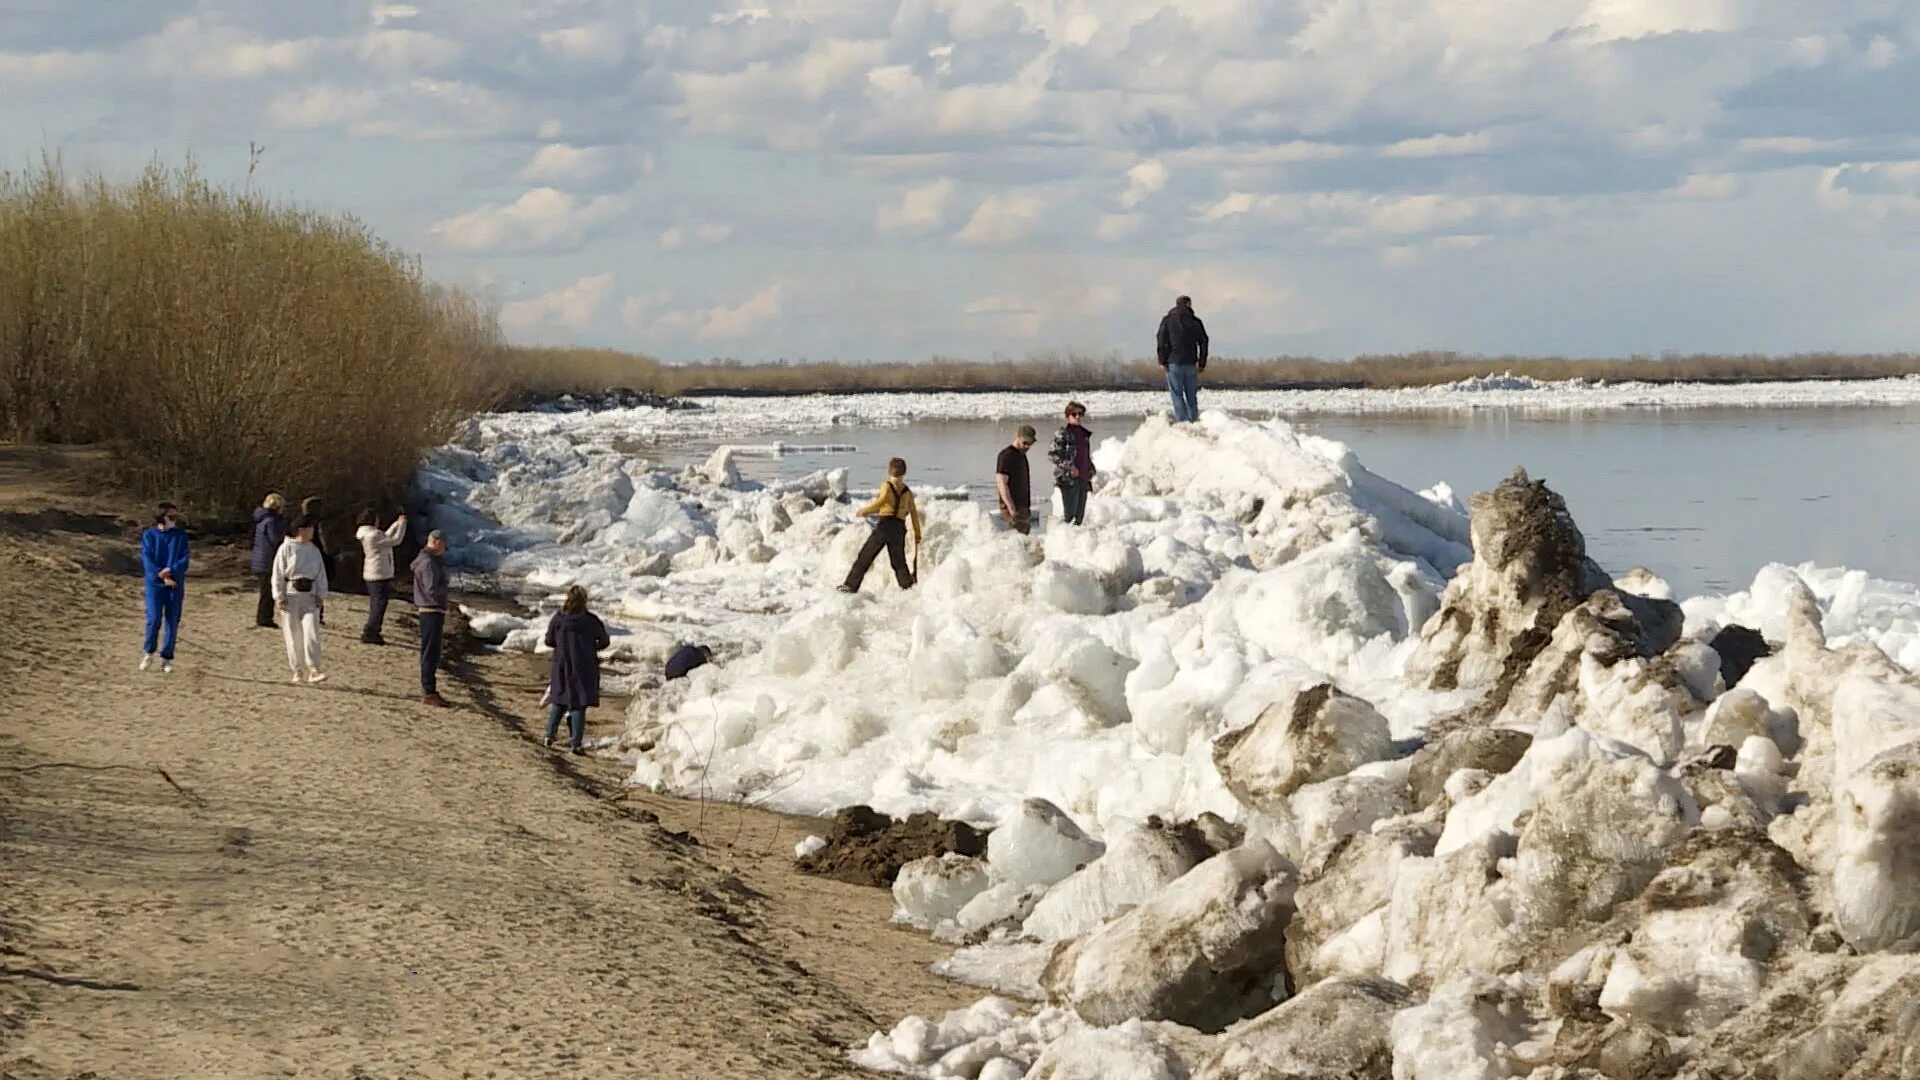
[1073, 501]
[889, 533]
[576, 724]
[163, 612]
[378, 593]
[432, 623]
[263, 612]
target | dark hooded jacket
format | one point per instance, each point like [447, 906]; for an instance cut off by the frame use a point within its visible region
[574, 669]
[1183, 338]
[269, 528]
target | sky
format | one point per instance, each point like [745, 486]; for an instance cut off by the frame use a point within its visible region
[903, 179]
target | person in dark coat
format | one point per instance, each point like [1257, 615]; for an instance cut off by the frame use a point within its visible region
[1072, 457]
[311, 509]
[269, 528]
[577, 637]
[430, 600]
[685, 659]
[1182, 345]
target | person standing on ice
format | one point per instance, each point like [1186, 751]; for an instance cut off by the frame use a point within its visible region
[269, 529]
[1182, 346]
[891, 510]
[430, 600]
[300, 593]
[577, 637]
[163, 566]
[1072, 457]
[1014, 482]
[376, 569]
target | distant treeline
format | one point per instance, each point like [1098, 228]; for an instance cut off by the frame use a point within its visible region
[223, 344]
[533, 371]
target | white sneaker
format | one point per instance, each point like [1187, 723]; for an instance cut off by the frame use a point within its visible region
[146, 662]
[317, 677]
[299, 677]
[166, 667]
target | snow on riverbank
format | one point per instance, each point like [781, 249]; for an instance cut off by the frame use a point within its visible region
[1506, 820]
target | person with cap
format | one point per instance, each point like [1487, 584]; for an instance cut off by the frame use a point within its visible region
[163, 566]
[891, 510]
[269, 529]
[1182, 345]
[1072, 457]
[686, 658]
[376, 568]
[300, 593]
[1014, 483]
[430, 599]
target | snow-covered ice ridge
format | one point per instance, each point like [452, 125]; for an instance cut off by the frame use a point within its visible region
[1294, 772]
[740, 416]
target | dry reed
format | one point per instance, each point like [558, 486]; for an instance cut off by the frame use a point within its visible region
[530, 371]
[224, 344]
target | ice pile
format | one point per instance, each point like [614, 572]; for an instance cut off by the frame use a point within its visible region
[1593, 859]
[1293, 773]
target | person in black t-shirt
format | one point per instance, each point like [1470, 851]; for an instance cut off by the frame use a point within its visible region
[1010, 477]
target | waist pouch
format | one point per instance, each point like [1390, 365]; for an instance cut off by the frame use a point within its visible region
[302, 584]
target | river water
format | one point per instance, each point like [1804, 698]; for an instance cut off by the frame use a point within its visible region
[1703, 497]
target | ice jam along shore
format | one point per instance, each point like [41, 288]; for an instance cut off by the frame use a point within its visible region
[1275, 746]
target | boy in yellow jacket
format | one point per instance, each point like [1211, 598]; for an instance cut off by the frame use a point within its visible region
[892, 509]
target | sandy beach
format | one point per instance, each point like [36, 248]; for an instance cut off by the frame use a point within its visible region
[216, 873]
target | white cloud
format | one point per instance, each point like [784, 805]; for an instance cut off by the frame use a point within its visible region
[1114, 228]
[570, 306]
[1435, 146]
[322, 106]
[921, 210]
[673, 239]
[543, 219]
[1000, 220]
[558, 163]
[594, 44]
[723, 323]
[1143, 180]
[1710, 186]
[55, 65]
[1792, 145]
[407, 50]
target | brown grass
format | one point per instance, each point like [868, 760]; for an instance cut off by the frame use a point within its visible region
[224, 344]
[554, 371]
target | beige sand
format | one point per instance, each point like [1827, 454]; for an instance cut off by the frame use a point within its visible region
[351, 884]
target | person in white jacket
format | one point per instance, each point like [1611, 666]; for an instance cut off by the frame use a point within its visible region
[300, 593]
[376, 568]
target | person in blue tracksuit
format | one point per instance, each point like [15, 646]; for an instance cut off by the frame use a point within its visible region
[163, 566]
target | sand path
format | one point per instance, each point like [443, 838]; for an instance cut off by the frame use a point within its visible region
[346, 883]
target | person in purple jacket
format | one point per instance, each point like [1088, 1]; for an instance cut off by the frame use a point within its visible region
[269, 528]
[163, 566]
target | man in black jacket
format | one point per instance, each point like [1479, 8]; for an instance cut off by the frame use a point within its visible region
[1183, 353]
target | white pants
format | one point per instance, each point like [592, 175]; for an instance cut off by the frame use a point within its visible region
[301, 627]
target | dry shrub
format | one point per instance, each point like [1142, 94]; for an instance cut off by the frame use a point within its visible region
[555, 371]
[224, 344]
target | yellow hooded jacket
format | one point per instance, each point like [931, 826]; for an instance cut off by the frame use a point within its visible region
[895, 501]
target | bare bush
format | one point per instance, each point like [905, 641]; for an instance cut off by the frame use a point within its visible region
[224, 344]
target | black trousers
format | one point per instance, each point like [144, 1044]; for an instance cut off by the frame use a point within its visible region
[263, 613]
[889, 533]
[378, 593]
[432, 625]
[1073, 500]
